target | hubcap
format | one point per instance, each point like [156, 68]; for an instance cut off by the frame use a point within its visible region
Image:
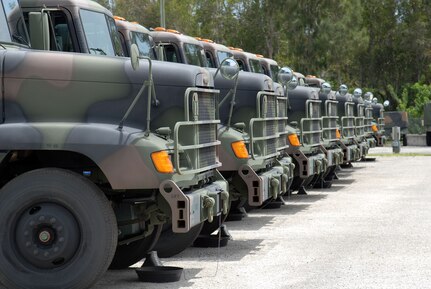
[47, 235]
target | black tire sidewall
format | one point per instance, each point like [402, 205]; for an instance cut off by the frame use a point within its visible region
[92, 212]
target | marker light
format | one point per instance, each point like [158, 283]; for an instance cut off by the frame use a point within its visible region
[294, 140]
[162, 162]
[374, 128]
[240, 150]
[337, 133]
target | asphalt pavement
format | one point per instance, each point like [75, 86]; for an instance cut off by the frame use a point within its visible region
[372, 229]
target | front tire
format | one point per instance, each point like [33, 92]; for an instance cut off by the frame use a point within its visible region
[57, 230]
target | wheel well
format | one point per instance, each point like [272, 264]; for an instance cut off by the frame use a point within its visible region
[21, 161]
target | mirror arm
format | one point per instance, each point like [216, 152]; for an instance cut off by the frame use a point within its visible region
[232, 103]
[150, 85]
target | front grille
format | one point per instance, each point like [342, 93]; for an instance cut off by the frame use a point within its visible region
[368, 120]
[330, 121]
[348, 121]
[360, 121]
[311, 126]
[195, 139]
[207, 106]
[268, 129]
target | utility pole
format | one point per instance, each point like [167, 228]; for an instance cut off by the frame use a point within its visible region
[162, 14]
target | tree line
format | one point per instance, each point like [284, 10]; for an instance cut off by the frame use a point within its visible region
[383, 46]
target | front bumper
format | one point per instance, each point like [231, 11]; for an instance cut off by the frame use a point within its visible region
[309, 165]
[363, 147]
[371, 141]
[191, 208]
[334, 156]
[265, 185]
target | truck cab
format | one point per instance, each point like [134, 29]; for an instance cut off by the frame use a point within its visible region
[170, 103]
[261, 177]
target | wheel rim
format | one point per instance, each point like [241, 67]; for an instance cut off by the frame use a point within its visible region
[47, 235]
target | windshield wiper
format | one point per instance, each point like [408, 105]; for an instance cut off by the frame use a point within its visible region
[4, 47]
[102, 52]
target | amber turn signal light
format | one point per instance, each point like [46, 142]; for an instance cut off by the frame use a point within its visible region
[337, 133]
[240, 150]
[374, 128]
[294, 140]
[162, 162]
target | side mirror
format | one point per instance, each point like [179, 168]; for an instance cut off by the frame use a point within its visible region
[229, 68]
[386, 103]
[134, 56]
[39, 30]
[326, 88]
[357, 92]
[285, 75]
[343, 89]
[369, 96]
[293, 83]
[375, 100]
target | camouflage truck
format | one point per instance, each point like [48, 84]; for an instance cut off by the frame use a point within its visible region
[86, 165]
[362, 138]
[263, 176]
[330, 132]
[350, 147]
[310, 157]
[427, 122]
[267, 106]
[377, 120]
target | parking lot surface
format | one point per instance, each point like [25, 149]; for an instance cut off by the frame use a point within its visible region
[372, 229]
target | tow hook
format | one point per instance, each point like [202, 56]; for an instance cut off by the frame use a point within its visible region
[318, 165]
[325, 165]
[284, 178]
[208, 204]
[274, 187]
[225, 200]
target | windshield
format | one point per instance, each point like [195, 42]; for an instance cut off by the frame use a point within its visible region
[195, 55]
[222, 55]
[11, 17]
[255, 66]
[274, 72]
[144, 44]
[97, 33]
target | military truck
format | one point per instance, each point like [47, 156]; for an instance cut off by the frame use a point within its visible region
[379, 123]
[350, 147]
[248, 107]
[215, 53]
[309, 155]
[377, 119]
[89, 157]
[330, 132]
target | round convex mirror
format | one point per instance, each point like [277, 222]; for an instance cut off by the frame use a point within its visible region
[386, 103]
[326, 88]
[229, 68]
[285, 74]
[357, 92]
[293, 83]
[343, 89]
[134, 56]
